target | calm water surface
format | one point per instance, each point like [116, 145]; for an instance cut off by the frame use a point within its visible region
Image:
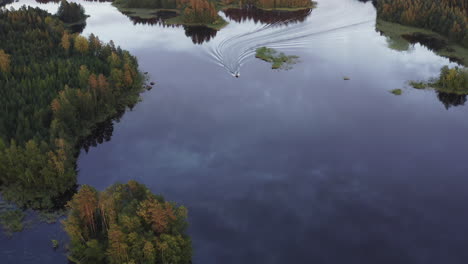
[293, 166]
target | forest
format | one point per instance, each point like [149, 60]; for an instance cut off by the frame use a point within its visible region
[450, 81]
[274, 17]
[70, 12]
[204, 12]
[190, 12]
[56, 86]
[447, 17]
[126, 223]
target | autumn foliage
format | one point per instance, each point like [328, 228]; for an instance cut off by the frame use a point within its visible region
[126, 224]
[448, 17]
[4, 62]
[55, 87]
[453, 80]
[200, 11]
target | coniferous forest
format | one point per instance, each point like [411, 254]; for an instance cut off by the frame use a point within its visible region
[331, 140]
[70, 12]
[56, 86]
[447, 17]
[205, 12]
[126, 223]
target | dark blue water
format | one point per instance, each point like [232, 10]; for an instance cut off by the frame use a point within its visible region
[293, 166]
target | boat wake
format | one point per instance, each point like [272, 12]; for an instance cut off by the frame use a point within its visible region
[232, 50]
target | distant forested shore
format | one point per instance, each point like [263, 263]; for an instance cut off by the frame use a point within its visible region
[201, 12]
[447, 17]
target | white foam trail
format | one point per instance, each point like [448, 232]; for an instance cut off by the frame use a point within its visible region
[237, 43]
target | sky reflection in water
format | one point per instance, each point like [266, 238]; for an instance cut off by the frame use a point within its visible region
[293, 166]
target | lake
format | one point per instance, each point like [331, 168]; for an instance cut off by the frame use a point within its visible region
[293, 166]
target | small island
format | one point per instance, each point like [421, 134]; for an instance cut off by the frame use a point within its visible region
[397, 91]
[277, 59]
[126, 223]
[72, 15]
[450, 81]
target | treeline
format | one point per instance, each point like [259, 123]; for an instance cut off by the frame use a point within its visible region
[126, 224]
[450, 81]
[447, 17]
[205, 12]
[71, 12]
[273, 17]
[200, 11]
[192, 11]
[453, 80]
[54, 88]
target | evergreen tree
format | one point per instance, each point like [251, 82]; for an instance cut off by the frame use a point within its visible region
[48, 103]
[126, 224]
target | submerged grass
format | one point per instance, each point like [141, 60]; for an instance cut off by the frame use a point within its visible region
[396, 91]
[55, 243]
[12, 220]
[51, 217]
[418, 85]
[277, 60]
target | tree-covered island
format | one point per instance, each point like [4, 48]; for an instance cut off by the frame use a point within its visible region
[126, 223]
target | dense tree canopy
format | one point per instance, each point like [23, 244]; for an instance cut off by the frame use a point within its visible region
[126, 224]
[200, 11]
[54, 87]
[453, 80]
[205, 12]
[447, 17]
[70, 12]
[274, 17]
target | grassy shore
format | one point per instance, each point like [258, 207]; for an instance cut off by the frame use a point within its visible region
[148, 13]
[395, 33]
[420, 85]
